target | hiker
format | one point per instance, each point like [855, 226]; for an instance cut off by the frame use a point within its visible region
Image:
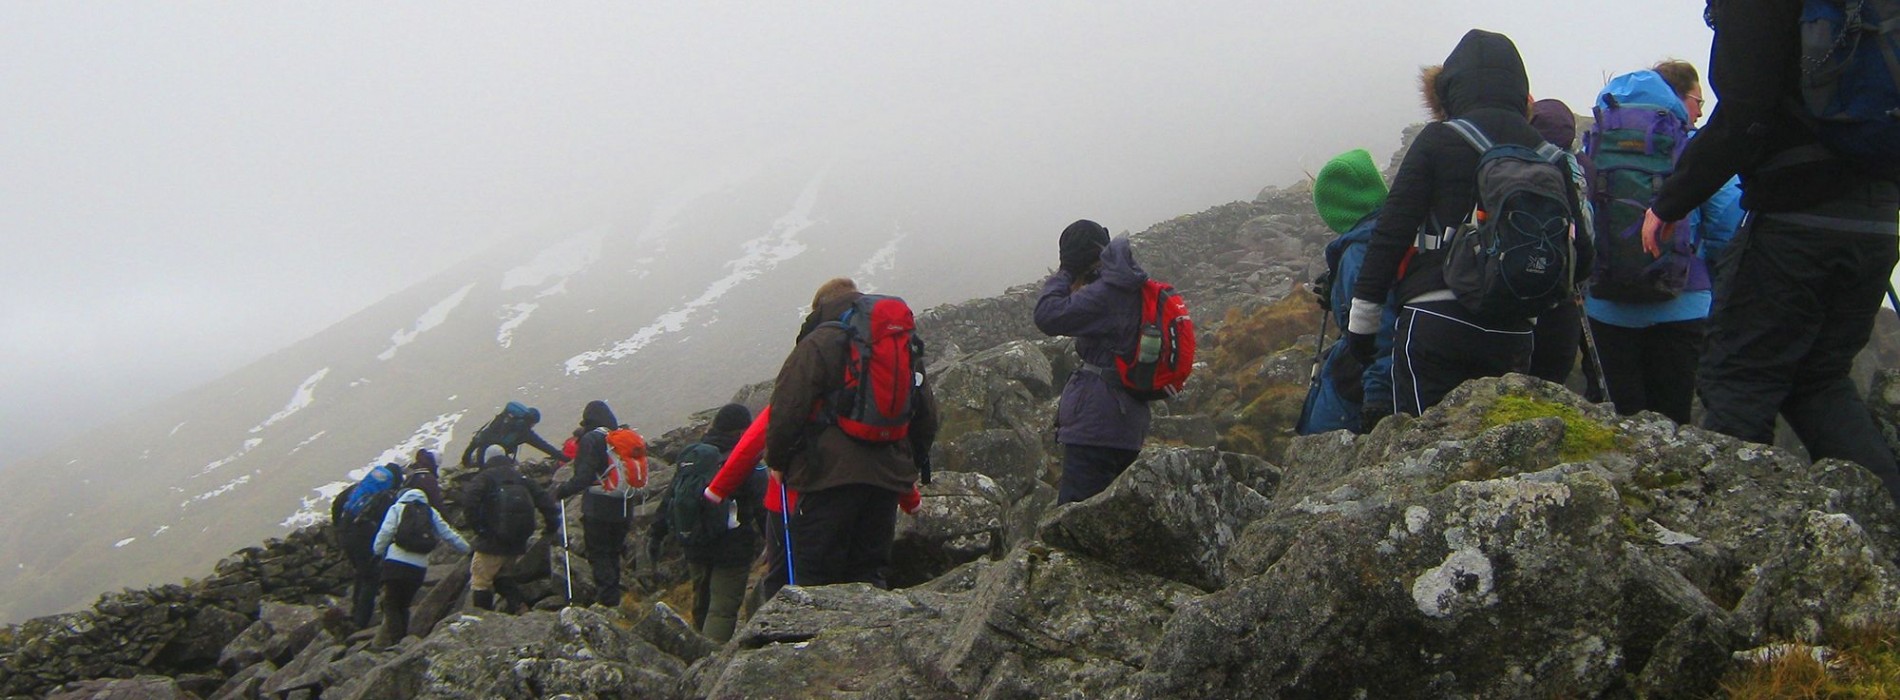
[1559, 331]
[1648, 314]
[849, 483]
[719, 537]
[1344, 394]
[511, 428]
[1095, 297]
[1799, 287]
[607, 506]
[501, 506]
[1444, 338]
[355, 515]
[423, 475]
[404, 550]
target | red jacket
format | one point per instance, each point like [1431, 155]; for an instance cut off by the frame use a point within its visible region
[746, 455]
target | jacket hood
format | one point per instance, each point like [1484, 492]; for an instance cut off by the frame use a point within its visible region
[413, 496]
[1643, 87]
[598, 415]
[1118, 265]
[1483, 72]
[1556, 123]
[425, 460]
[833, 308]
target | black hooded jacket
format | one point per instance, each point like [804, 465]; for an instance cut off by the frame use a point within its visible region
[1754, 70]
[590, 459]
[1482, 82]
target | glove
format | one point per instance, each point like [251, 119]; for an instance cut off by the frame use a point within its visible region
[910, 501]
[1363, 347]
[1322, 289]
[1371, 413]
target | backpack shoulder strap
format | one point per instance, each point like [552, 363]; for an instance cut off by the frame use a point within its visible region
[1471, 134]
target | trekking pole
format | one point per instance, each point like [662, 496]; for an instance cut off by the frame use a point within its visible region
[1595, 359]
[785, 515]
[1895, 298]
[567, 563]
[1319, 347]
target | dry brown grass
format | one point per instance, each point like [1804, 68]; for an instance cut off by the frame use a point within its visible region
[1865, 665]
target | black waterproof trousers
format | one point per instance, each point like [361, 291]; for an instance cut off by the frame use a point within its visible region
[605, 540]
[1653, 368]
[1439, 345]
[1795, 299]
[843, 535]
[1088, 470]
[1557, 334]
[400, 583]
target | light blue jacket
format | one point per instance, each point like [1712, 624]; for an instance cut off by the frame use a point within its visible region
[386, 535]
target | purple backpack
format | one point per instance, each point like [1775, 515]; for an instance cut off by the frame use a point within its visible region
[1632, 149]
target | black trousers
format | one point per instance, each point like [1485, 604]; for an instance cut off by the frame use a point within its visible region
[1088, 470]
[400, 583]
[1439, 345]
[363, 589]
[843, 535]
[1795, 301]
[1653, 368]
[605, 540]
[1557, 334]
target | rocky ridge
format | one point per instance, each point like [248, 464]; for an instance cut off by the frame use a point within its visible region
[1514, 542]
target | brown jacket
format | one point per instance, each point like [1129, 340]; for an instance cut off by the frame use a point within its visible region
[814, 455]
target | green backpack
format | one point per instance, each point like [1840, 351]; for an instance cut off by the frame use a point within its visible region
[693, 520]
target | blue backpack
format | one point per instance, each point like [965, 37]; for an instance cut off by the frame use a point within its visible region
[1513, 258]
[378, 480]
[1850, 79]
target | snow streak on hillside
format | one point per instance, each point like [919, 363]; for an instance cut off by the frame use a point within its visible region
[761, 254]
[299, 400]
[429, 319]
[437, 434]
[883, 260]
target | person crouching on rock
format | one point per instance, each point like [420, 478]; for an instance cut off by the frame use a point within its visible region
[1095, 297]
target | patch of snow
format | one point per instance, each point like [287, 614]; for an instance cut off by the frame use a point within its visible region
[219, 491]
[299, 400]
[175, 429]
[435, 434]
[122, 543]
[359, 382]
[244, 449]
[428, 320]
[761, 254]
[1668, 537]
[307, 441]
[512, 316]
[558, 262]
[882, 260]
[161, 530]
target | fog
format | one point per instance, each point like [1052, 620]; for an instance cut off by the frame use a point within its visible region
[187, 188]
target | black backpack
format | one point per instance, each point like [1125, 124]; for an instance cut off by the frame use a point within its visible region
[370, 518]
[415, 530]
[693, 520]
[510, 512]
[1513, 258]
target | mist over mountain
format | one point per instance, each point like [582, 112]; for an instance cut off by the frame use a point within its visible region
[659, 318]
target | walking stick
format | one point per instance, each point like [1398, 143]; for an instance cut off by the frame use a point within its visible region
[1895, 298]
[785, 514]
[567, 564]
[1595, 359]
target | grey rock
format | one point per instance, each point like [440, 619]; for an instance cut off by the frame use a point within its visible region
[1190, 430]
[960, 519]
[245, 684]
[1174, 513]
[1014, 459]
[139, 688]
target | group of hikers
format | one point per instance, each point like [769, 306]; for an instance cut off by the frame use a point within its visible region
[1745, 260]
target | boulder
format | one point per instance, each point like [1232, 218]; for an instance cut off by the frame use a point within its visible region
[245, 684]
[202, 642]
[577, 651]
[960, 519]
[1174, 513]
[139, 688]
[1014, 459]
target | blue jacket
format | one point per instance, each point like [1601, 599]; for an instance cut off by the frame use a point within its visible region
[1715, 222]
[1104, 317]
[386, 535]
[1326, 407]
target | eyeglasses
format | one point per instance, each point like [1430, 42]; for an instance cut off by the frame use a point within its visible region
[1698, 99]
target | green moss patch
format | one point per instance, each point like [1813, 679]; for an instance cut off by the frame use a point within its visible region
[1583, 437]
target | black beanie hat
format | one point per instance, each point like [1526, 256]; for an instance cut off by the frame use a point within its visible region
[1081, 245]
[732, 419]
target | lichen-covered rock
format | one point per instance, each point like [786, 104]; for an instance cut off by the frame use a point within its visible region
[1014, 459]
[1173, 513]
[576, 651]
[139, 688]
[1827, 573]
[960, 519]
[829, 641]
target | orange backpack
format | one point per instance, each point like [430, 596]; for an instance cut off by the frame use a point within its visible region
[626, 463]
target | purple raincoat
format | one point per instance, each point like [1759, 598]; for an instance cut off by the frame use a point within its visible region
[1103, 317]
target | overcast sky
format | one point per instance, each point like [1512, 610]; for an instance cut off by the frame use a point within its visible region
[185, 188]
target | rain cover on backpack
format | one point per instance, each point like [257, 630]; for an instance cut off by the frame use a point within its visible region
[882, 371]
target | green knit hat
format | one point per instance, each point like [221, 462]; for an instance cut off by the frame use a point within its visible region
[1348, 189]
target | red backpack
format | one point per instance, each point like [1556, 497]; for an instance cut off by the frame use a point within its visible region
[882, 371]
[1164, 357]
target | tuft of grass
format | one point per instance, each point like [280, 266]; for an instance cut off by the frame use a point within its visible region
[1866, 664]
[1583, 437]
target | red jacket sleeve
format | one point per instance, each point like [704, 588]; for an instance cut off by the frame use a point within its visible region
[743, 458]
